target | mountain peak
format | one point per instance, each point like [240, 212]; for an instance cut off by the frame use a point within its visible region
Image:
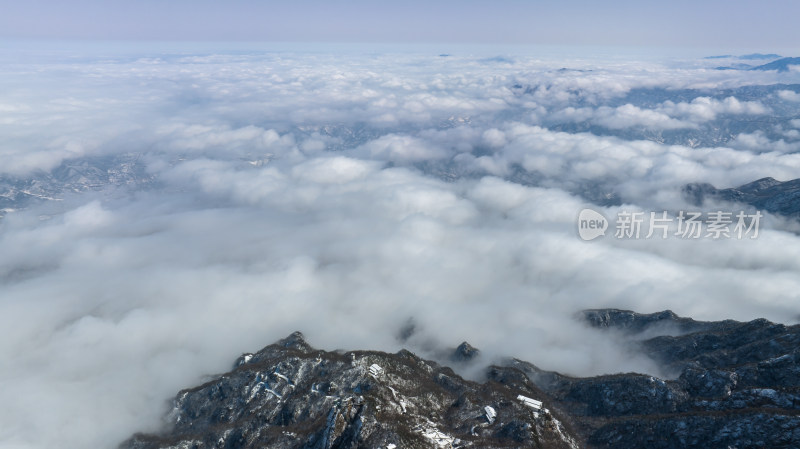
[465, 352]
[295, 340]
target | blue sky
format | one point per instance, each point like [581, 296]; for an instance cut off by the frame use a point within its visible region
[740, 24]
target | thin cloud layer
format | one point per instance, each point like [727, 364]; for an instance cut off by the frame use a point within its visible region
[344, 196]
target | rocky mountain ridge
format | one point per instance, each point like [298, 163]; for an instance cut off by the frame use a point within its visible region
[736, 385]
[768, 194]
[290, 395]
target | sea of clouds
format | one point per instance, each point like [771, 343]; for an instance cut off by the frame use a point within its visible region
[346, 194]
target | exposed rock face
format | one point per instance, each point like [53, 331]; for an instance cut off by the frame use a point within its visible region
[289, 395]
[465, 352]
[782, 198]
[739, 386]
[634, 323]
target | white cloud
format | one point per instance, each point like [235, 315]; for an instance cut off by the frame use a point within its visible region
[703, 109]
[494, 138]
[789, 95]
[400, 148]
[334, 170]
[627, 116]
[340, 196]
[758, 142]
[668, 115]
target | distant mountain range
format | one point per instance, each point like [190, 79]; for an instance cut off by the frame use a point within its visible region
[751, 56]
[781, 65]
[778, 62]
[736, 385]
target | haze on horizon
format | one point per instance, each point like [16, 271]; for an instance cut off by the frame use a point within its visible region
[764, 26]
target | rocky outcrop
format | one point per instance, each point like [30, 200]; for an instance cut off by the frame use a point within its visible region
[768, 194]
[738, 385]
[290, 395]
